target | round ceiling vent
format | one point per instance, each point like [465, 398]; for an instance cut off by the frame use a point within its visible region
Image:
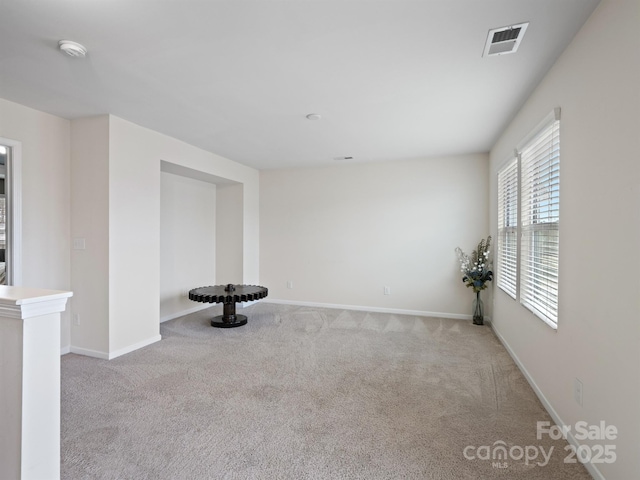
[73, 49]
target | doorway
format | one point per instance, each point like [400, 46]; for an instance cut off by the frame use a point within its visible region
[5, 153]
[10, 205]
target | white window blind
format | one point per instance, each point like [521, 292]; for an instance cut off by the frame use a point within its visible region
[507, 271]
[540, 216]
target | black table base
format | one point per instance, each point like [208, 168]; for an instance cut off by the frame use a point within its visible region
[228, 295]
[228, 319]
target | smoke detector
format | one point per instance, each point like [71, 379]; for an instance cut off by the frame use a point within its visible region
[73, 49]
[501, 41]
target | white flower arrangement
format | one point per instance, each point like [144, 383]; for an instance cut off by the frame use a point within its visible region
[476, 269]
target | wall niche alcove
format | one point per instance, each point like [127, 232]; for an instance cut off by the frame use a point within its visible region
[201, 235]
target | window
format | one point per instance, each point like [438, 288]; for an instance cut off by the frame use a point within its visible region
[529, 219]
[507, 271]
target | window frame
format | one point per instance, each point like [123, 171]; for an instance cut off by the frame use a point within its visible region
[508, 251]
[537, 268]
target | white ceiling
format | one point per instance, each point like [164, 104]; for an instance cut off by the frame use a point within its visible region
[392, 79]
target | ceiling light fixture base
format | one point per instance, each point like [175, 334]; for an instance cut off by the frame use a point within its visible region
[73, 49]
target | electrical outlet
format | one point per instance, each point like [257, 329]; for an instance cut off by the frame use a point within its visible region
[289, 283]
[577, 391]
[387, 290]
[79, 244]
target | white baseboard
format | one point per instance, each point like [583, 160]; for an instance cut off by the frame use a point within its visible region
[591, 468]
[65, 350]
[89, 353]
[202, 306]
[248, 304]
[133, 347]
[197, 308]
[111, 355]
[398, 311]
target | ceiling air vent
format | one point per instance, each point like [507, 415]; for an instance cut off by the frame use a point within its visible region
[501, 41]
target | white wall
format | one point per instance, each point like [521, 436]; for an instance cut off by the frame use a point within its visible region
[342, 233]
[596, 83]
[90, 221]
[45, 197]
[135, 155]
[187, 241]
[229, 234]
[116, 208]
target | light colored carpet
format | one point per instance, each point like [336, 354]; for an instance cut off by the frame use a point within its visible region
[304, 393]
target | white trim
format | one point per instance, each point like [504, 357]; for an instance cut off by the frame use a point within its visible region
[189, 311]
[551, 117]
[14, 189]
[398, 311]
[133, 347]
[203, 306]
[510, 158]
[89, 353]
[591, 468]
[248, 304]
[550, 323]
[65, 350]
[55, 305]
[111, 355]
[22, 303]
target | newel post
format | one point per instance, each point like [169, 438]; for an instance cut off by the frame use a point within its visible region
[30, 382]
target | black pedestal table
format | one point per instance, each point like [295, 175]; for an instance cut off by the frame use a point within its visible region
[228, 295]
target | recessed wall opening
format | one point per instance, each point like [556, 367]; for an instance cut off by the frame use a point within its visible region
[201, 235]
